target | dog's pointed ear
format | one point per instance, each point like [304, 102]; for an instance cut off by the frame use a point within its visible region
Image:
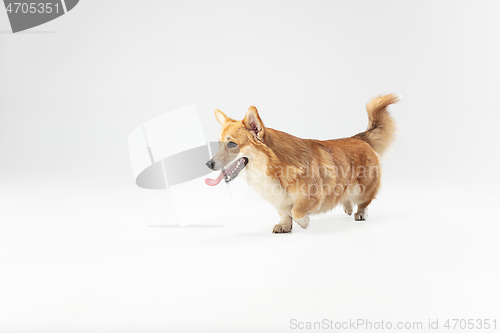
[254, 124]
[221, 117]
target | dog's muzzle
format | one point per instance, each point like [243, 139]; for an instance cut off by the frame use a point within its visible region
[228, 174]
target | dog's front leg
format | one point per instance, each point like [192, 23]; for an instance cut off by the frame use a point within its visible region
[301, 209]
[285, 224]
[303, 222]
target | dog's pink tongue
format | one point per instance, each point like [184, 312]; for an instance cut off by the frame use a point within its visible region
[213, 182]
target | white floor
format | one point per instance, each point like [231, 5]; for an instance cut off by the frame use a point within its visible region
[80, 259]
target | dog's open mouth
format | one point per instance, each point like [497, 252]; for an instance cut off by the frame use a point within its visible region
[229, 173]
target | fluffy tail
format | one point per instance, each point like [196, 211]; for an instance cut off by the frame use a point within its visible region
[380, 133]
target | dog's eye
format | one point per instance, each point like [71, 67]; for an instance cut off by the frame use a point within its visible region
[231, 144]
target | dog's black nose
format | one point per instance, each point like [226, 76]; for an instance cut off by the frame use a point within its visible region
[210, 164]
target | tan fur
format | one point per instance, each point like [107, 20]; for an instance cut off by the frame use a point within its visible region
[301, 177]
[381, 127]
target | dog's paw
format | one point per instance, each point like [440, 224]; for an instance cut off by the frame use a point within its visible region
[360, 216]
[348, 208]
[303, 222]
[282, 228]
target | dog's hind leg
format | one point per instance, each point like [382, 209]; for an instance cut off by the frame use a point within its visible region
[363, 202]
[361, 214]
[348, 207]
[370, 186]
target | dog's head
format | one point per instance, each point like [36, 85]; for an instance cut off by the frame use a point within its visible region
[235, 142]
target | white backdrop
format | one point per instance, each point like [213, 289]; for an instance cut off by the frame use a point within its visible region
[78, 246]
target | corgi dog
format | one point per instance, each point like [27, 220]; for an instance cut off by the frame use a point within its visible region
[301, 177]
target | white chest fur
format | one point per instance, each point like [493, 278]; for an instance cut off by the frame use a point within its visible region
[268, 188]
